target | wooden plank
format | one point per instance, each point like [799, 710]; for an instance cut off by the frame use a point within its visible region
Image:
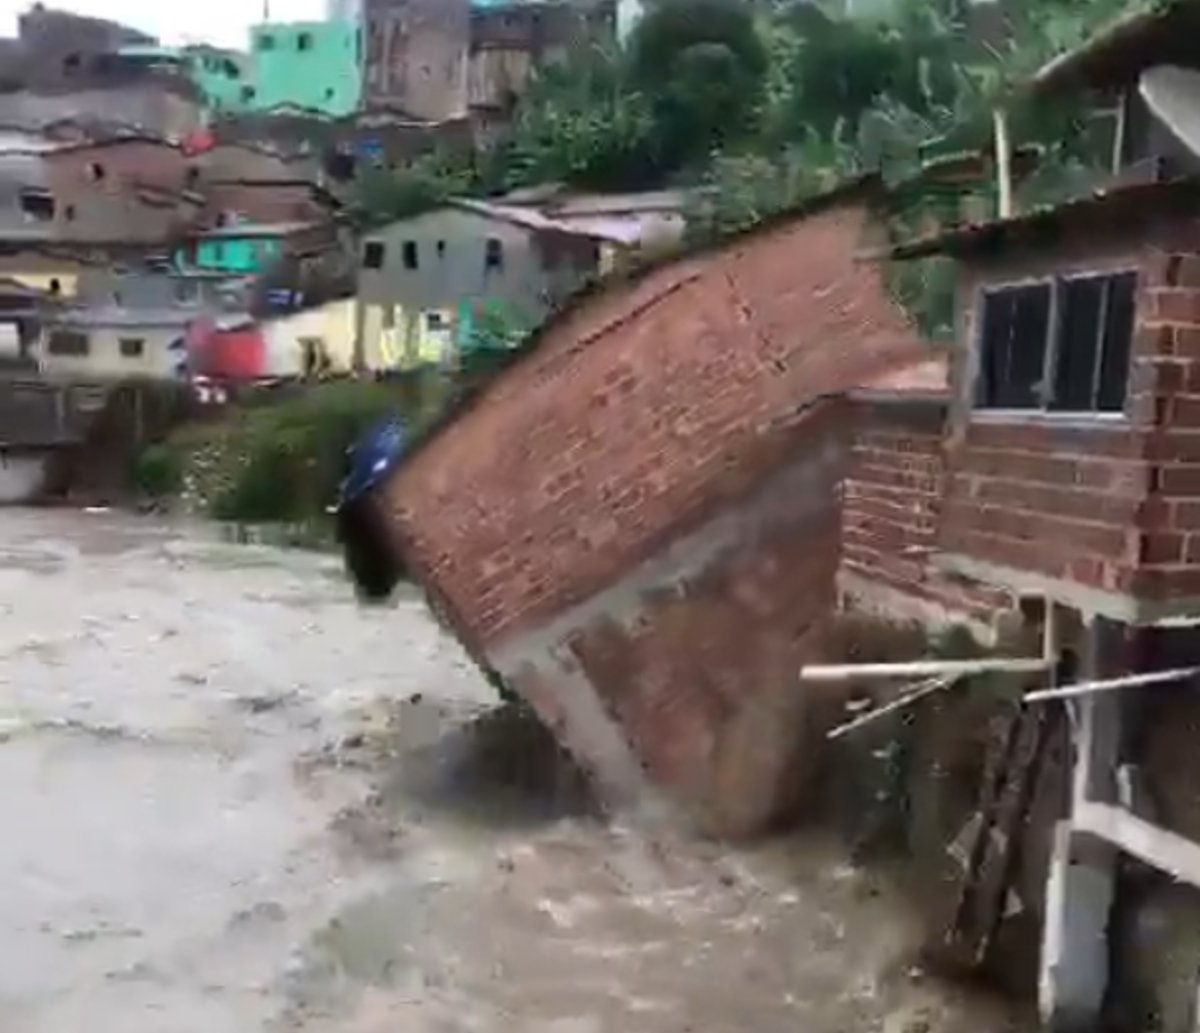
[1127, 681]
[922, 690]
[922, 669]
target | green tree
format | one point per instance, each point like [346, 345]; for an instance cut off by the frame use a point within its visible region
[703, 65]
[581, 123]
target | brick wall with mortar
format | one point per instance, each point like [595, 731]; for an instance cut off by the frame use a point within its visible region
[1104, 512]
[576, 525]
[892, 501]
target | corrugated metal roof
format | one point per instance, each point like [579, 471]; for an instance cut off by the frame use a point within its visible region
[1130, 202]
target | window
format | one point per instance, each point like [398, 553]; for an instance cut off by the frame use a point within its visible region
[247, 93]
[266, 42]
[435, 321]
[38, 204]
[1061, 346]
[67, 342]
[373, 252]
[408, 253]
[304, 41]
[132, 347]
[493, 256]
[95, 171]
[69, 213]
[441, 249]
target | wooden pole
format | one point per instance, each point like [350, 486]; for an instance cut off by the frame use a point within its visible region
[1127, 681]
[1003, 164]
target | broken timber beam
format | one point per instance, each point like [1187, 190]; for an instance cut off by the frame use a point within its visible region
[1127, 681]
[923, 669]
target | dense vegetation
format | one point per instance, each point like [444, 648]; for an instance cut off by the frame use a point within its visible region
[765, 108]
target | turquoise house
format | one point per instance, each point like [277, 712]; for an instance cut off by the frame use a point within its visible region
[233, 249]
[313, 65]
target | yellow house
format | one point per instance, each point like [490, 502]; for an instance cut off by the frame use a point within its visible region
[395, 337]
[319, 339]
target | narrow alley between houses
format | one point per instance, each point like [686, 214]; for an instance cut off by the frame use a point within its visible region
[235, 801]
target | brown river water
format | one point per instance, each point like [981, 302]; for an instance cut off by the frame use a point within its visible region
[234, 801]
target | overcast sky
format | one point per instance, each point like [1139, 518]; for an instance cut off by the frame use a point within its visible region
[177, 21]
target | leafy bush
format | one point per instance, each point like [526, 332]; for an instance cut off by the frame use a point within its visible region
[158, 472]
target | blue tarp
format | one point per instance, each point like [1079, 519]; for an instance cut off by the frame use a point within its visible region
[372, 458]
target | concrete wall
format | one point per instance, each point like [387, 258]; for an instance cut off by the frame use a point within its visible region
[22, 476]
[313, 65]
[104, 358]
[660, 473]
[451, 248]
[416, 56]
[328, 329]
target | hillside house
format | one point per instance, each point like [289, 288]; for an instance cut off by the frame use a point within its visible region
[1072, 475]
[246, 248]
[308, 65]
[638, 523]
[430, 285]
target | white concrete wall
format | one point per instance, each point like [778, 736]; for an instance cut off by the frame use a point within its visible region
[21, 477]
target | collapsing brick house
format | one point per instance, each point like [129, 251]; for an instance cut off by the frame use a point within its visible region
[637, 525]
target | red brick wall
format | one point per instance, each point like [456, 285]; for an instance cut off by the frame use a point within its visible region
[1168, 405]
[1097, 502]
[641, 413]
[892, 501]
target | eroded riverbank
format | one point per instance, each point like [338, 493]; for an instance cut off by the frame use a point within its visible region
[235, 802]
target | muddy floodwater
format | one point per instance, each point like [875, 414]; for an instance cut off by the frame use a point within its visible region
[234, 801]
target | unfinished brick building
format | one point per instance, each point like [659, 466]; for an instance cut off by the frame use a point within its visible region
[638, 524]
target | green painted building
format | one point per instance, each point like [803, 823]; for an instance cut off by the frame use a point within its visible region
[233, 249]
[314, 65]
[222, 76]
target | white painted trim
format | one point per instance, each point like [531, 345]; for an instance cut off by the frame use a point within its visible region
[1161, 848]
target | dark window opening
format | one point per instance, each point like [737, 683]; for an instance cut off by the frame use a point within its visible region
[373, 253]
[132, 347]
[1061, 346]
[55, 285]
[1015, 321]
[435, 321]
[493, 256]
[37, 204]
[67, 342]
[409, 254]
[441, 249]
[329, 93]
[95, 171]
[247, 93]
[1094, 334]
[266, 42]
[304, 41]
[231, 70]
[72, 63]
[69, 213]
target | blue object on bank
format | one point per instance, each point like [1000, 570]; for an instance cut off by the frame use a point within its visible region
[372, 458]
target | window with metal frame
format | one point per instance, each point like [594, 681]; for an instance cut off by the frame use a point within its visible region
[1058, 345]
